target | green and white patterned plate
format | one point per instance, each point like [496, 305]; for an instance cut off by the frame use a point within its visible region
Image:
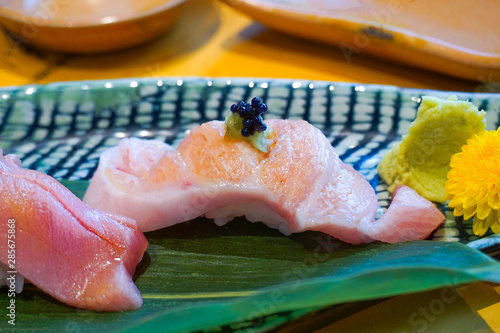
[230, 274]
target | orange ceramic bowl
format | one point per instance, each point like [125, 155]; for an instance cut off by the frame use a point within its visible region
[89, 26]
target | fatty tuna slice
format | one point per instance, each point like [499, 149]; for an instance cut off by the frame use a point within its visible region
[299, 184]
[77, 254]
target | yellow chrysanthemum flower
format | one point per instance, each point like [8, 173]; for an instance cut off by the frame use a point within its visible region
[474, 182]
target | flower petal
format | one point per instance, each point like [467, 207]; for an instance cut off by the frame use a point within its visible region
[458, 211]
[469, 212]
[483, 210]
[470, 200]
[495, 227]
[482, 196]
[479, 227]
[494, 200]
[455, 202]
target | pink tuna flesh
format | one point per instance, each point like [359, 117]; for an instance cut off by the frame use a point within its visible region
[300, 184]
[77, 254]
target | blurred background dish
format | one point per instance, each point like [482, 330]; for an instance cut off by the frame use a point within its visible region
[89, 26]
[456, 38]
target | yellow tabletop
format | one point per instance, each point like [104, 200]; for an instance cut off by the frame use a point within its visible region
[213, 40]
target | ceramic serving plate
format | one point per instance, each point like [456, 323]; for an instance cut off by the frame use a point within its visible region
[456, 38]
[197, 276]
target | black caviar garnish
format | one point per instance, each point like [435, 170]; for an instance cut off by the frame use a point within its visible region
[251, 115]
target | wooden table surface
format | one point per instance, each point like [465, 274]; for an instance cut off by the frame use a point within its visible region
[213, 40]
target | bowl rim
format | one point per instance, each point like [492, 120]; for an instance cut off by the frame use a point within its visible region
[18, 17]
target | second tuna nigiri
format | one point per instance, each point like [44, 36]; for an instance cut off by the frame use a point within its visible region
[299, 184]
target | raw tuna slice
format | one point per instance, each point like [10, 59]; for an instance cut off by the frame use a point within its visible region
[300, 184]
[410, 216]
[77, 254]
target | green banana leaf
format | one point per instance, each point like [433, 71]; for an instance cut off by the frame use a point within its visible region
[197, 276]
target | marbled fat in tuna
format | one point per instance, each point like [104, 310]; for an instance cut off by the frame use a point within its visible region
[299, 184]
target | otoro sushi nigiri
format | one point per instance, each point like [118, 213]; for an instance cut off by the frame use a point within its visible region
[298, 183]
[77, 254]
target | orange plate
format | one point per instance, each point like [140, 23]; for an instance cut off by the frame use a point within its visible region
[456, 38]
[89, 26]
